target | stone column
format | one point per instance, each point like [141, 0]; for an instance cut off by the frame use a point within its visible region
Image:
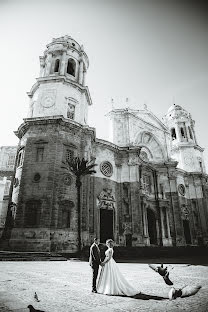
[178, 132]
[63, 63]
[145, 220]
[48, 66]
[84, 78]
[162, 223]
[81, 72]
[168, 225]
[194, 134]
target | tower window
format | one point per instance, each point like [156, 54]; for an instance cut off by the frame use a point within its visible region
[20, 158]
[173, 133]
[71, 66]
[183, 133]
[39, 154]
[56, 66]
[69, 154]
[190, 133]
[70, 111]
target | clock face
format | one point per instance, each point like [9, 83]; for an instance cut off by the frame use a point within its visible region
[47, 101]
[48, 98]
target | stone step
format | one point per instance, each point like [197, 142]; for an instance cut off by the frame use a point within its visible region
[30, 256]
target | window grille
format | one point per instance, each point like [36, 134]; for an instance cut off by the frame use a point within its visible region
[106, 168]
[69, 154]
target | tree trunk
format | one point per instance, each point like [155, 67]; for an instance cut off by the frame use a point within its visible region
[78, 185]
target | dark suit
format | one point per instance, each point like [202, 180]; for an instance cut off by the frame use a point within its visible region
[94, 262]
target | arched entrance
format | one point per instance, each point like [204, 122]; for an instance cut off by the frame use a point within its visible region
[151, 220]
[106, 224]
[106, 207]
[187, 232]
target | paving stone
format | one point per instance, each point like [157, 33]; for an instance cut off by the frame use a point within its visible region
[66, 286]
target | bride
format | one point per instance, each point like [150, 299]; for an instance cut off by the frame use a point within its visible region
[111, 281]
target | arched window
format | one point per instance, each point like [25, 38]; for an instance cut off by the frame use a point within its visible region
[183, 133]
[20, 157]
[56, 66]
[173, 133]
[71, 66]
[190, 133]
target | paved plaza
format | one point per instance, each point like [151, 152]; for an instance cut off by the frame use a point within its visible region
[65, 286]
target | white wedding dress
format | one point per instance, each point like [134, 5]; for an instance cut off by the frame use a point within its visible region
[111, 281]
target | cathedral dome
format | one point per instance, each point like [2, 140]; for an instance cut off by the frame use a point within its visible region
[175, 107]
[176, 111]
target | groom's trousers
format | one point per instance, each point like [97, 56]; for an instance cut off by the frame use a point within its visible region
[95, 269]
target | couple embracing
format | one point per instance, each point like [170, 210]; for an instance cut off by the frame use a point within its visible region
[110, 281]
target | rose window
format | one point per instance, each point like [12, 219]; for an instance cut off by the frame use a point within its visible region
[106, 168]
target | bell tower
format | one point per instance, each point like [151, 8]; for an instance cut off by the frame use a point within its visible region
[55, 131]
[60, 88]
[183, 142]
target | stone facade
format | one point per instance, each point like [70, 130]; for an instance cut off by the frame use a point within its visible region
[150, 187]
[7, 163]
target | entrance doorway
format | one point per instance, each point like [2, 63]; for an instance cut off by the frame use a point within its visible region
[106, 225]
[151, 220]
[187, 232]
[128, 240]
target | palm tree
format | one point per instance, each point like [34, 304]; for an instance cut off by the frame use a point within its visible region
[79, 168]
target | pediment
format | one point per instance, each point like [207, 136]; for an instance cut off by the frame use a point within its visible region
[149, 119]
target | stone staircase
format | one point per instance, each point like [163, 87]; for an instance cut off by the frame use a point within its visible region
[30, 256]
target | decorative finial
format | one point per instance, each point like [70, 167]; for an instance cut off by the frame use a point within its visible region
[173, 99]
[112, 103]
[145, 106]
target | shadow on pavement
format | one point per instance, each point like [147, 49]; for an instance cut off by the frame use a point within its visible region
[142, 296]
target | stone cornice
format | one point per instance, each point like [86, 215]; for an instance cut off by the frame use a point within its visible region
[52, 120]
[199, 148]
[59, 79]
[168, 164]
[182, 145]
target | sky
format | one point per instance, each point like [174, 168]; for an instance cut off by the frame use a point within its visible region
[149, 51]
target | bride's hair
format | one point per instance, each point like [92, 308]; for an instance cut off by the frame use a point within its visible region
[109, 241]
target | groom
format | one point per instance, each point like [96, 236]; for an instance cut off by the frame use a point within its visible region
[94, 262]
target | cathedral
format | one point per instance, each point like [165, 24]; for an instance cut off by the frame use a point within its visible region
[150, 187]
